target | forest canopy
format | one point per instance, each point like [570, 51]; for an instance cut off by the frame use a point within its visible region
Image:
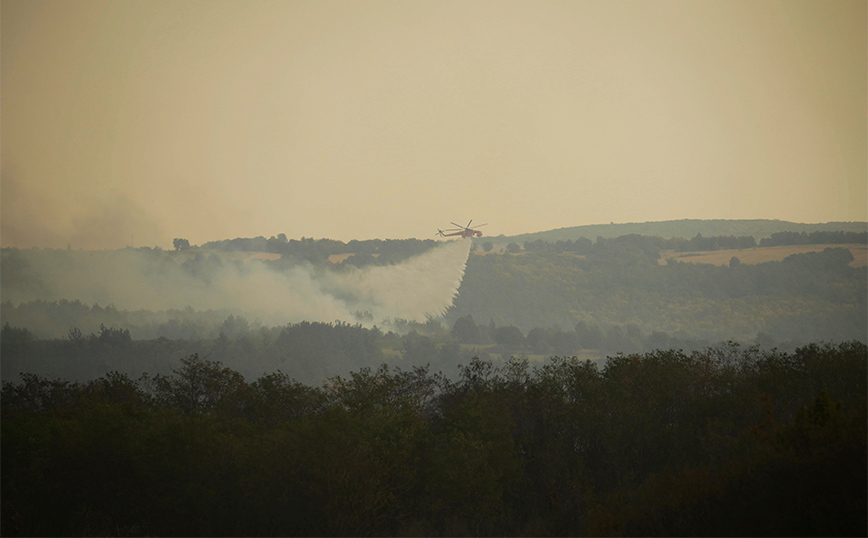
[728, 441]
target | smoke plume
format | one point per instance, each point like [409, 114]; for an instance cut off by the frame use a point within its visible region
[419, 288]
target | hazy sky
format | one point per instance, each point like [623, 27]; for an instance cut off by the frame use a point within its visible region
[147, 120]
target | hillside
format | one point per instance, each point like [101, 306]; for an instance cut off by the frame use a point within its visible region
[758, 228]
[807, 294]
[628, 288]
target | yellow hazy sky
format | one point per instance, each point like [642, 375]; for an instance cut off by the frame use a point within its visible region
[141, 121]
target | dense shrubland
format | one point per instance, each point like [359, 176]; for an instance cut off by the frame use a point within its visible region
[724, 441]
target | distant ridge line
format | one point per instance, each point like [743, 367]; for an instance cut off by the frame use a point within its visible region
[687, 228]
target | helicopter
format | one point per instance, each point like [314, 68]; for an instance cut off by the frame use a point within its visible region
[463, 231]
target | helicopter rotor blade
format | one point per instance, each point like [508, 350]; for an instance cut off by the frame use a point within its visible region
[460, 227]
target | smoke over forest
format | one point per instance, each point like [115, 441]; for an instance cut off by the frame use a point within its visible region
[420, 287]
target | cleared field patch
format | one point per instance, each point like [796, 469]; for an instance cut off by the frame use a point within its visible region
[761, 254]
[338, 258]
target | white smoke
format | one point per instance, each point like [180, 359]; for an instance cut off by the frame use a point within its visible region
[420, 287]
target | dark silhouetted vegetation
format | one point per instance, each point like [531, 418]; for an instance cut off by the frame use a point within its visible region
[813, 238]
[725, 441]
[365, 252]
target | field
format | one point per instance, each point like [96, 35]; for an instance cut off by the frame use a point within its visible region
[761, 254]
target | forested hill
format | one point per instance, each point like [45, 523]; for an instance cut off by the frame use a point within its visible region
[687, 228]
[619, 282]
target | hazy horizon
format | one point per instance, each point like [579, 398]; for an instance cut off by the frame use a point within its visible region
[137, 122]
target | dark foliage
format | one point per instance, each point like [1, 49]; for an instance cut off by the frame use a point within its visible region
[726, 441]
[367, 252]
[814, 238]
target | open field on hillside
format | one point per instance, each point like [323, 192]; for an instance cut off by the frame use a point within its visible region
[338, 258]
[761, 254]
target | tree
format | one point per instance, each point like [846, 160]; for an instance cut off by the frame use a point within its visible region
[234, 327]
[487, 246]
[509, 336]
[114, 337]
[180, 244]
[419, 349]
[465, 330]
[198, 385]
[564, 342]
[15, 345]
[589, 336]
[513, 248]
[537, 339]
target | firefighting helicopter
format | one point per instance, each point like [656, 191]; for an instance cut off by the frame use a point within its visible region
[463, 231]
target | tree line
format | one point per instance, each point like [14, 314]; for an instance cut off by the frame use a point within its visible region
[586, 338]
[757, 228]
[310, 351]
[726, 441]
[313, 351]
[584, 246]
[813, 238]
[364, 252]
